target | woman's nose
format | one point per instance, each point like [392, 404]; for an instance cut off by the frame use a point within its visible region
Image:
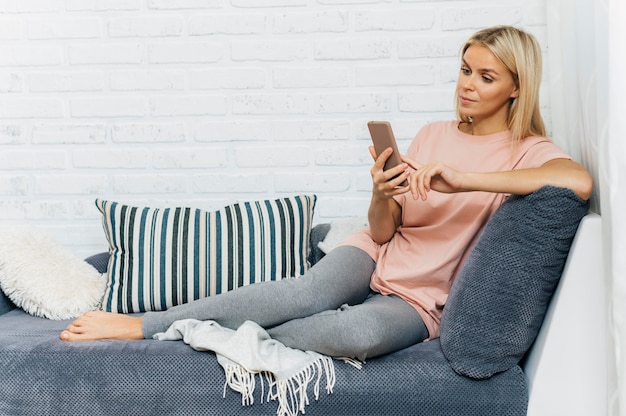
[468, 83]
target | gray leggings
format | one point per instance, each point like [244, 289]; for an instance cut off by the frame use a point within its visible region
[330, 309]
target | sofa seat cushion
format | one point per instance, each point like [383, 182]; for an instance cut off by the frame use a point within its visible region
[43, 375]
[500, 296]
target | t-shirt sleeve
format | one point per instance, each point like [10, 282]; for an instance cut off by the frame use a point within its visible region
[536, 151]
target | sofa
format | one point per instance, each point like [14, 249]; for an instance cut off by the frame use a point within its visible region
[505, 345]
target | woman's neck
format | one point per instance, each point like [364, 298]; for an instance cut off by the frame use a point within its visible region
[485, 128]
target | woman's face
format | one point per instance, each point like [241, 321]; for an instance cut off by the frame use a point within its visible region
[484, 88]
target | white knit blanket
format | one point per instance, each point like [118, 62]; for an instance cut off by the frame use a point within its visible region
[249, 352]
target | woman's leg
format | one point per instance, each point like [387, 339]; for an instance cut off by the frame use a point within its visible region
[341, 277]
[380, 325]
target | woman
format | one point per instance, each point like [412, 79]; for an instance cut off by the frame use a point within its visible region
[384, 288]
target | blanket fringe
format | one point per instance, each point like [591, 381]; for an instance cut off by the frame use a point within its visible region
[291, 394]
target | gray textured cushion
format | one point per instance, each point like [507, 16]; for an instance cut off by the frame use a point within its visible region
[42, 375]
[499, 298]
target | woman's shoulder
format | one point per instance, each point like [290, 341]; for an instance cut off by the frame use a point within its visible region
[442, 125]
[435, 129]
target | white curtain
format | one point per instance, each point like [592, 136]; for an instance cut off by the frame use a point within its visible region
[586, 57]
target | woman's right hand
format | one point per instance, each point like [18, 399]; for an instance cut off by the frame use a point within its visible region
[385, 214]
[386, 183]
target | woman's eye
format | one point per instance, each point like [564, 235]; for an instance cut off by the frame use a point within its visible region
[487, 79]
[465, 70]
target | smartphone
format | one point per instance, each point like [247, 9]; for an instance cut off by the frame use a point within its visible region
[382, 138]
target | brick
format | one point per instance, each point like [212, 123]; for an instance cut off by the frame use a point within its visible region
[149, 184]
[118, 158]
[188, 105]
[105, 54]
[30, 55]
[353, 49]
[23, 159]
[229, 24]
[139, 80]
[363, 182]
[184, 4]
[271, 104]
[274, 156]
[33, 210]
[449, 71]
[312, 182]
[307, 129]
[333, 21]
[232, 131]
[343, 156]
[271, 51]
[203, 52]
[145, 26]
[148, 133]
[10, 29]
[69, 133]
[13, 134]
[399, 19]
[69, 184]
[65, 81]
[456, 18]
[190, 158]
[354, 103]
[429, 46]
[11, 81]
[427, 100]
[32, 108]
[339, 206]
[101, 5]
[75, 28]
[31, 6]
[85, 209]
[267, 3]
[311, 77]
[108, 106]
[14, 185]
[231, 183]
[395, 74]
[227, 78]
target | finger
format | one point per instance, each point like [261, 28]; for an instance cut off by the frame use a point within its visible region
[372, 151]
[412, 163]
[382, 158]
[423, 182]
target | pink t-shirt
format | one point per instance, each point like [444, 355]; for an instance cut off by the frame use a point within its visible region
[421, 260]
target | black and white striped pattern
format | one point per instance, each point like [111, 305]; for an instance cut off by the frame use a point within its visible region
[165, 257]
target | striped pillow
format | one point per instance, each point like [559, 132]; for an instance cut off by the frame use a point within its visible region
[165, 257]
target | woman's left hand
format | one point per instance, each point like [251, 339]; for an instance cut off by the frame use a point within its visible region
[432, 176]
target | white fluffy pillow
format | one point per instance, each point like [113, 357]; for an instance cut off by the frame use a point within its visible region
[339, 231]
[44, 279]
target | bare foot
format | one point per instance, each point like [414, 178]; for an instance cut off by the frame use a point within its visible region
[103, 325]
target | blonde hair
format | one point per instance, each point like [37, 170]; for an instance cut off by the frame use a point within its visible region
[520, 53]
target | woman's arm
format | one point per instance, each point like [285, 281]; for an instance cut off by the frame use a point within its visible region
[557, 172]
[385, 214]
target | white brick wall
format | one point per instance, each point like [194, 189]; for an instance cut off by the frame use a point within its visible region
[204, 102]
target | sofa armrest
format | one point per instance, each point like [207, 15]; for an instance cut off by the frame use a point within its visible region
[567, 366]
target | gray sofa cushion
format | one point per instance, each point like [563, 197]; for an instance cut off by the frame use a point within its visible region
[499, 298]
[42, 375]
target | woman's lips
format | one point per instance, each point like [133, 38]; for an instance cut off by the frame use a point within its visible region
[466, 101]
